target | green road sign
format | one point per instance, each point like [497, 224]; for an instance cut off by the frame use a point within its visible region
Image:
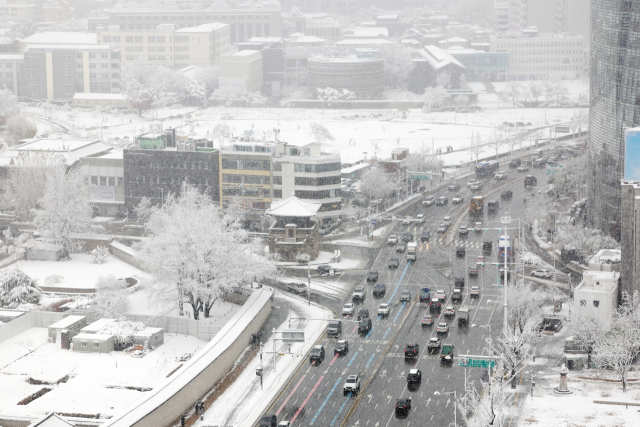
[477, 363]
[421, 177]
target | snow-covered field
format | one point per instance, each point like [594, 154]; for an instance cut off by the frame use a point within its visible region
[96, 382]
[79, 272]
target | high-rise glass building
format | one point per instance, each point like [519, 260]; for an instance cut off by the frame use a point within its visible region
[615, 104]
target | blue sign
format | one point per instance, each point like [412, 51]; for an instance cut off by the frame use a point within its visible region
[374, 221]
[632, 154]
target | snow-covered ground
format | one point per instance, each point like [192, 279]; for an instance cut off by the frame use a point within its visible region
[96, 382]
[324, 286]
[79, 272]
[244, 401]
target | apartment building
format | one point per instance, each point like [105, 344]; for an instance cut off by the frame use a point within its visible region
[598, 291]
[536, 56]
[10, 64]
[242, 70]
[105, 174]
[18, 12]
[243, 23]
[326, 28]
[199, 46]
[58, 72]
[57, 11]
[305, 172]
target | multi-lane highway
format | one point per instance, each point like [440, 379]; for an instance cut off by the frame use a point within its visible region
[314, 396]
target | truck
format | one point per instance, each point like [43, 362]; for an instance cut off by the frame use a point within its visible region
[476, 207]
[412, 251]
[463, 316]
[493, 207]
[425, 294]
[487, 247]
[446, 355]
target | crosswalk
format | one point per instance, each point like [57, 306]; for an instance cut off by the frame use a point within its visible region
[424, 246]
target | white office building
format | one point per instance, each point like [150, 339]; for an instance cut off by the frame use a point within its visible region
[599, 287]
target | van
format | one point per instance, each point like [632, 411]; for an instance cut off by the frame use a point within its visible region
[297, 288]
[538, 153]
[334, 329]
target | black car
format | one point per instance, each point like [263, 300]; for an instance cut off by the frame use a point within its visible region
[506, 194]
[530, 181]
[403, 407]
[317, 354]
[414, 377]
[268, 421]
[394, 263]
[460, 251]
[341, 348]
[363, 313]
[324, 269]
[411, 351]
[442, 201]
[379, 290]
[424, 236]
[364, 326]
[407, 237]
[515, 163]
[372, 276]
[458, 282]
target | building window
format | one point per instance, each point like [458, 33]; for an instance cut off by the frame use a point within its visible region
[138, 39]
[92, 65]
[106, 39]
[92, 55]
[112, 181]
[120, 181]
[277, 180]
[104, 75]
[139, 49]
[151, 39]
[80, 75]
[160, 39]
[128, 39]
[66, 76]
[596, 303]
[104, 55]
[96, 345]
[104, 65]
[116, 39]
[277, 194]
[583, 303]
[83, 344]
[66, 56]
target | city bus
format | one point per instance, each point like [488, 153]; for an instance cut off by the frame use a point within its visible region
[487, 168]
[504, 244]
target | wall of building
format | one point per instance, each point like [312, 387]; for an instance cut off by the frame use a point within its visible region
[10, 65]
[630, 237]
[364, 77]
[244, 65]
[247, 176]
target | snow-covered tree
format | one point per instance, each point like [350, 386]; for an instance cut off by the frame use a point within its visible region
[139, 96]
[443, 79]
[26, 181]
[376, 184]
[64, 208]
[587, 241]
[619, 348]
[476, 147]
[587, 327]
[524, 306]
[233, 97]
[319, 132]
[196, 90]
[221, 132]
[122, 332]
[17, 288]
[512, 90]
[210, 76]
[111, 301]
[555, 90]
[496, 141]
[197, 252]
[100, 254]
[398, 66]
[434, 98]
[535, 89]
[19, 128]
[8, 105]
[329, 94]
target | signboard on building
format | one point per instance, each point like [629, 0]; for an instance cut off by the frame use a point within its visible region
[102, 193]
[632, 154]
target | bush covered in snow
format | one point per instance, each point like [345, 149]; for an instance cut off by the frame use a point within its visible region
[110, 299]
[122, 332]
[53, 279]
[231, 97]
[17, 288]
[99, 254]
[587, 241]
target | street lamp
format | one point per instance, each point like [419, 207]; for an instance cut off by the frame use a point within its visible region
[455, 406]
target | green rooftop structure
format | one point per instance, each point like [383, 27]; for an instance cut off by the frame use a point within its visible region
[152, 141]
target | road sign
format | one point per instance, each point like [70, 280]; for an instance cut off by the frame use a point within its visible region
[554, 169]
[477, 363]
[420, 177]
[374, 221]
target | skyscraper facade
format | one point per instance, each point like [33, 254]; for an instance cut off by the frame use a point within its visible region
[615, 104]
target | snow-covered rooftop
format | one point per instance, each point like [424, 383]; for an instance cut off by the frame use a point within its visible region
[11, 313]
[367, 32]
[97, 325]
[70, 149]
[438, 58]
[294, 207]
[355, 168]
[364, 42]
[66, 322]
[204, 28]
[147, 332]
[61, 38]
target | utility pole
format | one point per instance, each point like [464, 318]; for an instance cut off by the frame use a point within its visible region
[506, 220]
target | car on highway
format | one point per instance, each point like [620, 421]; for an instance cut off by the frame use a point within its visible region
[298, 288]
[401, 247]
[514, 163]
[347, 309]
[458, 282]
[480, 261]
[268, 421]
[472, 182]
[449, 311]
[334, 329]
[407, 220]
[407, 237]
[419, 219]
[364, 325]
[429, 201]
[424, 236]
[372, 276]
[433, 346]
[427, 320]
[435, 305]
[341, 348]
[506, 195]
[352, 385]
[458, 198]
[456, 296]
[442, 328]
[379, 290]
[442, 228]
[317, 354]
[476, 187]
[454, 186]
[460, 251]
[477, 227]
[403, 407]
[442, 201]
[393, 263]
[392, 239]
[463, 231]
[441, 295]
[363, 313]
[543, 274]
[405, 296]
[384, 310]
[411, 351]
[474, 291]
[500, 175]
[473, 271]
[447, 220]
[523, 168]
[359, 294]
[414, 376]
[530, 181]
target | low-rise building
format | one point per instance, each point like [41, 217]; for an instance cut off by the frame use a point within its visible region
[58, 38]
[429, 64]
[10, 65]
[105, 174]
[488, 66]
[90, 100]
[599, 289]
[241, 70]
[11, 11]
[362, 73]
[94, 328]
[93, 343]
[295, 229]
[363, 33]
[57, 11]
[148, 338]
[73, 324]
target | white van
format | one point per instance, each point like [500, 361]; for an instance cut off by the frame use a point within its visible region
[297, 288]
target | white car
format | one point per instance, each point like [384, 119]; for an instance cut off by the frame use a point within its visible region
[544, 274]
[407, 221]
[447, 220]
[347, 310]
[477, 186]
[419, 219]
[523, 168]
[500, 175]
[471, 182]
[459, 198]
[442, 328]
[393, 239]
[383, 310]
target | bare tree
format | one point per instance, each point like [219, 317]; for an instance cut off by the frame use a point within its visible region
[20, 128]
[587, 327]
[476, 147]
[221, 131]
[535, 89]
[496, 142]
[376, 184]
[320, 133]
[619, 348]
[512, 90]
[524, 306]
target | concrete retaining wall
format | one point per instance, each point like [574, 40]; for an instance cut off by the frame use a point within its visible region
[167, 402]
